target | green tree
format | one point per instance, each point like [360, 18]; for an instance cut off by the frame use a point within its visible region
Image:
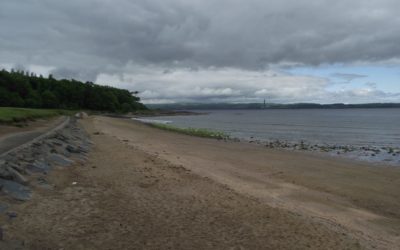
[49, 99]
[18, 88]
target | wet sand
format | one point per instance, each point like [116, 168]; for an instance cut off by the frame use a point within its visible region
[145, 188]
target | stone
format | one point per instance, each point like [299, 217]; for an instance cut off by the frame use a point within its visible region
[61, 148]
[39, 167]
[42, 183]
[80, 158]
[15, 190]
[17, 176]
[5, 172]
[18, 168]
[73, 149]
[12, 215]
[3, 207]
[81, 115]
[60, 160]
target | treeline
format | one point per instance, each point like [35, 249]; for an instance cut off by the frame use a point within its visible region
[24, 89]
[227, 106]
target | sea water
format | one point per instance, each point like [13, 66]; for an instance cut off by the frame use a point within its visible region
[338, 131]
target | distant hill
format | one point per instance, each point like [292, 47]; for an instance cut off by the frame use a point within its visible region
[206, 106]
[24, 89]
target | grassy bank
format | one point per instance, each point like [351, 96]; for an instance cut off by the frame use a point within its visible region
[15, 115]
[200, 132]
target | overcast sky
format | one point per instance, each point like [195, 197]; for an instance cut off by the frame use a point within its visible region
[212, 50]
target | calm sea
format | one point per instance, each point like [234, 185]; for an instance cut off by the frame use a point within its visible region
[357, 127]
[362, 127]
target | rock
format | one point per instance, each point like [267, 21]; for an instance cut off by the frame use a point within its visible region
[12, 215]
[17, 176]
[51, 150]
[60, 160]
[80, 158]
[73, 149]
[5, 172]
[39, 167]
[18, 168]
[3, 207]
[42, 183]
[15, 190]
[81, 115]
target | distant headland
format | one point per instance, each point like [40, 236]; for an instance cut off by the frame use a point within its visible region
[205, 106]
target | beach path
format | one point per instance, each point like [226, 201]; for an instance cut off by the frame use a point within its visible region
[12, 137]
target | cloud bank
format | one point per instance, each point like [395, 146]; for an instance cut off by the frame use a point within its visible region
[235, 85]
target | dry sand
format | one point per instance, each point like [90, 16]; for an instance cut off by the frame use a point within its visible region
[145, 188]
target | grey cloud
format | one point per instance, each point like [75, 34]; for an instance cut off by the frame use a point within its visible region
[238, 49]
[250, 35]
[68, 73]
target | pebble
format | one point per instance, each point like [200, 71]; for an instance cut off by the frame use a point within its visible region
[12, 215]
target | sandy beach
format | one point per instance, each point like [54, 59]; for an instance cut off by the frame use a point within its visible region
[145, 188]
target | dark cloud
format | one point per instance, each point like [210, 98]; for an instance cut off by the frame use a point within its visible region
[228, 33]
[92, 38]
[65, 73]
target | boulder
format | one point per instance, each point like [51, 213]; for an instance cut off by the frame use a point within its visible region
[15, 190]
[81, 115]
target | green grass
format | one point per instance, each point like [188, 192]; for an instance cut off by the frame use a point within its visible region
[15, 115]
[201, 132]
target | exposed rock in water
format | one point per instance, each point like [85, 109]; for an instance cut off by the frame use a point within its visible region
[366, 153]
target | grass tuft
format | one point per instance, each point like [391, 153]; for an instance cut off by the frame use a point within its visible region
[15, 115]
[200, 132]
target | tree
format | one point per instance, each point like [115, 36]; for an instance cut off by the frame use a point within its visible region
[17, 88]
[49, 100]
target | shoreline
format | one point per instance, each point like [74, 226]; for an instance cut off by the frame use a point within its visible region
[386, 155]
[144, 187]
[375, 155]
